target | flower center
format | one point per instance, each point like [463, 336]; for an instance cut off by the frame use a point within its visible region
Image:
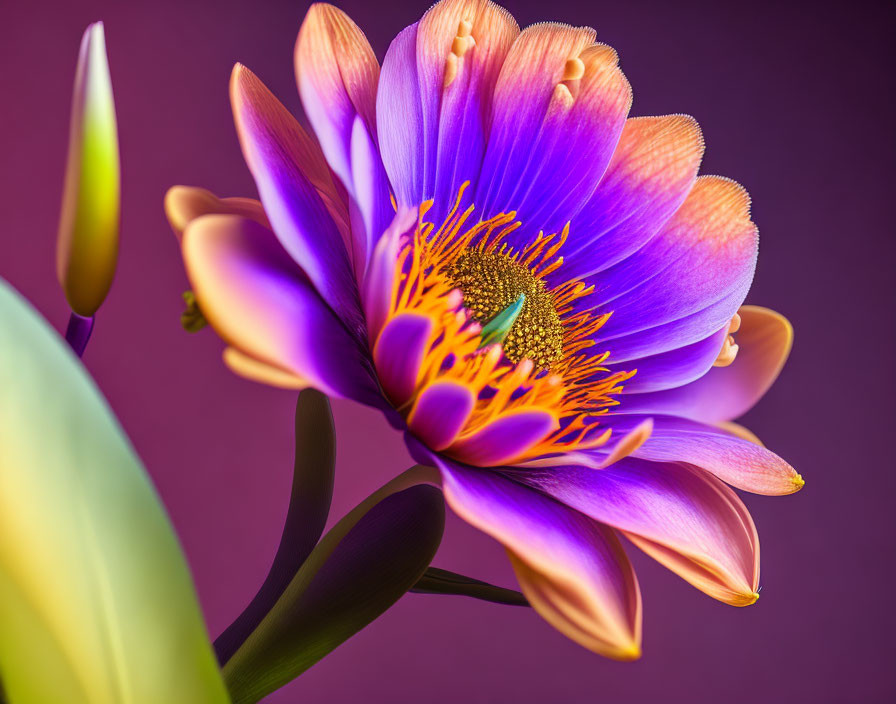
[487, 355]
[492, 282]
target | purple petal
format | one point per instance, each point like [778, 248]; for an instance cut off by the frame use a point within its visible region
[399, 352]
[399, 115]
[572, 569]
[259, 301]
[272, 146]
[440, 412]
[559, 108]
[370, 206]
[503, 440]
[673, 368]
[683, 517]
[736, 461]
[688, 281]
[337, 75]
[764, 341]
[653, 168]
[435, 95]
[380, 280]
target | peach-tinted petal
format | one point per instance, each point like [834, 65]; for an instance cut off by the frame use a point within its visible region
[571, 569]
[685, 518]
[183, 204]
[652, 170]
[621, 443]
[738, 462]
[688, 281]
[337, 74]
[275, 148]
[630, 442]
[559, 108]
[764, 339]
[256, 370]
[260, 302]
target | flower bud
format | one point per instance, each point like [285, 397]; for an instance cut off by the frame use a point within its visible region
[87, 247]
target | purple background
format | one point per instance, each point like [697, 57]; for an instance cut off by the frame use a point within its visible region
[796, 103]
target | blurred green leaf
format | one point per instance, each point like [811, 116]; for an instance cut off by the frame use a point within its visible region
[358, 570]
[96, 601]
[438, 581]
[309, 506]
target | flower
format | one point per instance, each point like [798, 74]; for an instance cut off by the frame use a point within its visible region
[536, 289]
[87, 248]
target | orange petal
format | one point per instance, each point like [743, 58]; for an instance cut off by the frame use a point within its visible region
[183, 204]
[256, 370]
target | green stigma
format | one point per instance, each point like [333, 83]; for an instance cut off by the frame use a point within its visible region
[497, 329]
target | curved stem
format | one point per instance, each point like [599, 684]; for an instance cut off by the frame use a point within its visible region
[439, 581]
[78, 332]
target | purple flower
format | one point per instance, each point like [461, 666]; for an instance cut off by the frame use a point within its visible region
[536, 289]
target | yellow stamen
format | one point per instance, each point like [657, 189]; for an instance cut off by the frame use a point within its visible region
[573, 70]
[461, 277]
[728, 353]
[460, 45]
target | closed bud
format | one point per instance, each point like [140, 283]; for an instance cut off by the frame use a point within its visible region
[87, 247]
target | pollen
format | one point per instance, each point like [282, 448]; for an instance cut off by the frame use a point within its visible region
[491, 282]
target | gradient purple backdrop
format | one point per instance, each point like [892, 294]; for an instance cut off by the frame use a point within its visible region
[795, 103]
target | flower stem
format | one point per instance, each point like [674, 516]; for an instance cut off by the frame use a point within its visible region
[78, 332]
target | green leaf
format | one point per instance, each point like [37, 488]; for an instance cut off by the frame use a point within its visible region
[360, 568]
[438, 581]
[309, 506]
[96, 601]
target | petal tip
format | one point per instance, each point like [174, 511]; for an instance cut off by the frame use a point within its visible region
[744, 599]
[622, 651]
[182, 203]
[629, 653]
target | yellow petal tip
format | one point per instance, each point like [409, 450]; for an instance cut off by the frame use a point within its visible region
[798, 482]
[629, 653]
